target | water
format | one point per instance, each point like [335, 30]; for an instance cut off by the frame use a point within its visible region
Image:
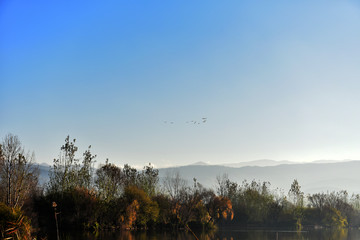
[220, 235]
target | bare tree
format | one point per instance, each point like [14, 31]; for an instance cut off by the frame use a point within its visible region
[173, 184]
[18, 175]
[225, 187]
[221, 184]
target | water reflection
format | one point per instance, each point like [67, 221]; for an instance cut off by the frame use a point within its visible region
[341, 234]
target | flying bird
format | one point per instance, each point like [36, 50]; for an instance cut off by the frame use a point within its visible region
[203, 120]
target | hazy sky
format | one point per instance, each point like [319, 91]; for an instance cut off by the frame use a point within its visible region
[275, 79]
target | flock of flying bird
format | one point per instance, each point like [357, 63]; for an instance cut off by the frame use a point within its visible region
[203, 120]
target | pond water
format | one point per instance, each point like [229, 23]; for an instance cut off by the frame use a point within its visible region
[219, 235]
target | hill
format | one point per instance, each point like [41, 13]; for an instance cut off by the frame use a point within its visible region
[313, 177]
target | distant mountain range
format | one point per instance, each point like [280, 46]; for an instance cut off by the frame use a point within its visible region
[318, 176]
[259, 163]
[313, 177]
[43, 173]
[267, 162]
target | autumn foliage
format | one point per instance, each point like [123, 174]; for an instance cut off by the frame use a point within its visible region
[13, 224]
[114, 197]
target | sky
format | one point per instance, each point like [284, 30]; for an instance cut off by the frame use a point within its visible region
[275, 80]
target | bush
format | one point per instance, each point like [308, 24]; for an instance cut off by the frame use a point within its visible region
[13, 224]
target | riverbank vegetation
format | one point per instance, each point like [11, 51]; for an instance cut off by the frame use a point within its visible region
[79, 196]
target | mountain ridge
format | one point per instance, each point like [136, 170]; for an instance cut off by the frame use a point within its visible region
[313, 177]
[324, 176]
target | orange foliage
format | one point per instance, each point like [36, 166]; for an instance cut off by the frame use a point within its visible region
[148, 210]
[176, 209]
[13, 224]
[131, 211]
[221, 207]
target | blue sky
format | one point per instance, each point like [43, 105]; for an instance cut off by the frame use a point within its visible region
[275, 80]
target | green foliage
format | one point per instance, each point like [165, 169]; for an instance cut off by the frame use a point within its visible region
[253, 202]
[85, 174]
[297, 197]
[334, 210]
[164, 203]
[130, 198]
[296, 194]
[63, 174]
[148, 180]
[334, 218]
[67, 172]
[148, 210]
[130, 175]
[109, 182]
[257, 200]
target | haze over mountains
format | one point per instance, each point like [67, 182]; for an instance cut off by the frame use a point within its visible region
[267, 162]
[314, 177]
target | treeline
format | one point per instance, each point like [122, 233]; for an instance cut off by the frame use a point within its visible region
[78, 196]
[256, 205]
